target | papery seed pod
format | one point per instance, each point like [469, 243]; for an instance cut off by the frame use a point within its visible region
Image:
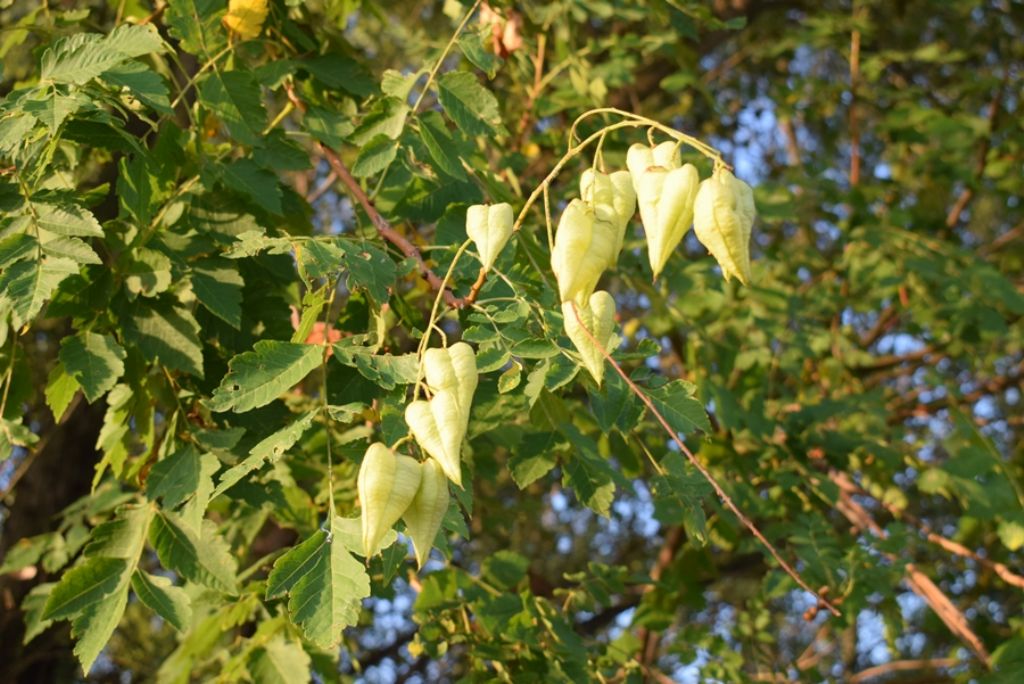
[386, 484]
[666, 193]
[723, 218]
[613, 199]
[439, 425]
[426, 512]
[598, 315]
[584, 245]
[489, 226]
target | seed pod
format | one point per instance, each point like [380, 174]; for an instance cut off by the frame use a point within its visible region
[386, 484]
[666, 193]
[723, 217]
[439, 425]
[584, 246]
[426, 512]
[489, 226]
[613, 199]
[598, 315]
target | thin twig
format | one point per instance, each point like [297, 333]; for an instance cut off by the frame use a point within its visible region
[386, 230]
[901, 666]
[695, 462]
[854, 123]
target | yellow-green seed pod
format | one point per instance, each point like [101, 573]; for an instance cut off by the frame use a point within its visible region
[489, 226]
[613, 199]
[598, 315]
[666, 192]
[439, 425]
[723, 218]
[426, 512]
[584, 246]
[386, 484]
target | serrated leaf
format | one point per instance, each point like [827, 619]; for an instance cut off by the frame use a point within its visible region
[258, 377]
[268, 449]
[260, 185]
[32, 606]
[163, 598]
[174, 478]
[95, 361]
[325, 585]
[218, 287]
[204, 558]
[143, 83]
[84, 585]
[473, 108]
[94, 625]
[386, 117]
[60, 390]
[441, 145]
[676, 402]
[68, 248]
[16, 247]
[196, 24]
[534, 458]
[375, 156]
[234, 96]
[26, 286]
[385, 370]
[281, 662]
[339, 71]
[168, 332]
[65, 219]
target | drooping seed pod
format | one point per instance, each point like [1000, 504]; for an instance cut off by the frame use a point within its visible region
[723, 218]
[386, 485]
[666, 192]
[439, 425]
[426, 512]
[613, 199]
[598, 315]
[489, 226]
[584, 246]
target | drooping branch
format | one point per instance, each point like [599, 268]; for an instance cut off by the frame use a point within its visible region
[695, 462]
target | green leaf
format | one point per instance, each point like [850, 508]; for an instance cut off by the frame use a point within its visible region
[94, 625]
[65, 219]
[441, 145]
[587, 473]
[472, 107]
[174, 478]
[68, 248]
[375, 156]
[32, 606]
[339, 71]
[677, 403]
[85, 585]
[325, 586]
[147, 273]
[386, 117]
[168, 332]
[475, 45]
[196, 24]
[16, 247]
[27, 285]
[144, 83]
[95, 361]
[234, 97]
[270, 448]
[258, 377]
[260, 185]
[203, 558]
[534, 458]
[218, 287]
[369, 268]
[385, 370]
[163, 598]
[60, 390]
[280, 662]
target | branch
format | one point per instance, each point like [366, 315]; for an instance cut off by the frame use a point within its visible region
[854, 124]
[901, 666]
[723, 497]
[385, 229]
[994, 108]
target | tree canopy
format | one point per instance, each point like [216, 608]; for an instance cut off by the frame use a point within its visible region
[354, 340]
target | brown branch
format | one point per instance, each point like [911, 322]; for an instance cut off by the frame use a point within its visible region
[967, 194]
[854, 123]
[901, 666]
[848, 487]
[534, 93]
[651, 639]
[919, 583]
[322, 188]
[695, 462]
[385, 229]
